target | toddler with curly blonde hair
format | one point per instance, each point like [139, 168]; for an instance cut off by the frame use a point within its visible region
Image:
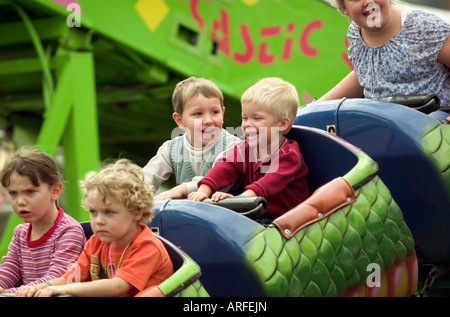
[126, 182]
[123, 257]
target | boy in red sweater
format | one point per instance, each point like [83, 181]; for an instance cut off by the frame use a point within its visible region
[270, 164]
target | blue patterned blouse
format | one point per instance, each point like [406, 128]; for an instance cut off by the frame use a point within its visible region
[407, 64]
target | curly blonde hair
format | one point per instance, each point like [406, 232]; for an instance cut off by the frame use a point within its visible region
[124, 181]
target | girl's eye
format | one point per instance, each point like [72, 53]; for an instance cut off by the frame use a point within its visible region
[109, 212]
[11, 193]
[93, 212]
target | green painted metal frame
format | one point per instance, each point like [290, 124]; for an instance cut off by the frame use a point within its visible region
[70, 119]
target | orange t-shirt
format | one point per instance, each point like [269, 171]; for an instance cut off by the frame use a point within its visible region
[145, 263]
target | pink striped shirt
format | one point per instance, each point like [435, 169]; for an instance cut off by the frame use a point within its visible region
[34, 262]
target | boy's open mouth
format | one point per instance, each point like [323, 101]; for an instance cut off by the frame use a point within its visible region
[209, 133]
[208, 130]
[251, 133]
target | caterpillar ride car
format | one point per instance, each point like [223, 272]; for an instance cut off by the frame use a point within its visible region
[348, 238]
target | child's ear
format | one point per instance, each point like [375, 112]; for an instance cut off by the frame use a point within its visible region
[343, 10]
[138, 215]
[56, 191]
[284, 124]
[177, 118]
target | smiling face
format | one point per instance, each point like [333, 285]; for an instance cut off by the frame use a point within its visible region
[110, 220]
[368, 14]
[260, 128]
[33, 204]
[202, 119]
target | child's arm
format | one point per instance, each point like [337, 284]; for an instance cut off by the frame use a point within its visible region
[444, 53]
[348, 87]
[249, 193]
[222, 195]
[105, 288]
[204, 191]
[159, 168]
[10, 266]
[178, 191]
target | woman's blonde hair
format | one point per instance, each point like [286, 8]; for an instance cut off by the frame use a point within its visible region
[190, 88]
[126, 182]
[339, 4]
[279, 97]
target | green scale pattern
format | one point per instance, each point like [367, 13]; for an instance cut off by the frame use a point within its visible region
[436, 145]
[196, 289]
[328, 257]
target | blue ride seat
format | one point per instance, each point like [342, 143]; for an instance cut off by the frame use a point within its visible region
[86, 225]
[325, 158]
[412, 151]
[213, 236]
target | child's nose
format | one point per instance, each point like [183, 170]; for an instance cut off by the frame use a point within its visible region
[21, 200]
[247, 123]
[367, 2]
[99, 219]
[207, 118]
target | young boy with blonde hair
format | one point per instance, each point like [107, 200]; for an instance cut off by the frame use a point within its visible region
[198, 111]
[123, 257]
[270, 164]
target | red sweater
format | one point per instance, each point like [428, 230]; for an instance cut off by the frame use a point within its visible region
[280, 178]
